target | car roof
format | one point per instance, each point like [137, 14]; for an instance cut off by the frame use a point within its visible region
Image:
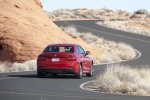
[63, 44]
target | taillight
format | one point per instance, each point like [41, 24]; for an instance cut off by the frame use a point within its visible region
[71, 57]
[41, 58]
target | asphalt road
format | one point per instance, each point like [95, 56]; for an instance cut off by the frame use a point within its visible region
[26, 85]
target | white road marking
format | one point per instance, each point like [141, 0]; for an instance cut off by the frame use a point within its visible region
[4, 78]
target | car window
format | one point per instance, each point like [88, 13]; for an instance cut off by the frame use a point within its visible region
[59, 49]
[80, 50]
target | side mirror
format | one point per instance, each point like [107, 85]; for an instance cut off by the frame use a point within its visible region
[87, 53]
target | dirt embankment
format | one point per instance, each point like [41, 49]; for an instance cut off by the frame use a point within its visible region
[25, 30]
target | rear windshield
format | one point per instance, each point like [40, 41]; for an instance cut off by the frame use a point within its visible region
[59, 49]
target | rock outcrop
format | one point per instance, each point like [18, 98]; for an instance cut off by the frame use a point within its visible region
[25, 30]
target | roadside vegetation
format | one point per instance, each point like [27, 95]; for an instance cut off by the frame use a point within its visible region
[137, 27]
[17, 67]
[123, 79]
[136, 22]
[101, 14]
[85, 13]
[112, 51]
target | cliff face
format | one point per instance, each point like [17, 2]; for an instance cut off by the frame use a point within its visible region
[25, 30]
[38, 3]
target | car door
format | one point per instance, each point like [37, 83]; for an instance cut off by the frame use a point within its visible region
[84, 59]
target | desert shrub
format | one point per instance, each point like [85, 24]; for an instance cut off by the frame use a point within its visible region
[65, 16]
[2, 68]
[31, 64]
[127, 26]
[127, 52]
[78, 13]
[88, 37]
[112, 51]
[121, 12]
[70, 30]
[145, 32]
[16, 67]
[141, 11]
[117, 19]
[135, 16]
[75, 9]
[84, 9]
[62, 12]
[98, 17]
[148, 15]
[107, 10]
[87, 14]
[124, 79]
[51, 15]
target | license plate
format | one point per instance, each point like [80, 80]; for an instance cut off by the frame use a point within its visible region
[55, 59]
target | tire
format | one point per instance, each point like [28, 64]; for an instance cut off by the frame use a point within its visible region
[40, 74]
[79, 74]
[91, 71]
[54, 75]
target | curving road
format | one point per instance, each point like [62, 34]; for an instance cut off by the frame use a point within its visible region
[26, 85]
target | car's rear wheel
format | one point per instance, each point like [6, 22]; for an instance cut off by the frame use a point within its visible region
[40, 74]
[79, 74]
[91, 71]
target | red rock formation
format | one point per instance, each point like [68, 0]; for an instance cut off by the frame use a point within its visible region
[25, 30]
[38, 3]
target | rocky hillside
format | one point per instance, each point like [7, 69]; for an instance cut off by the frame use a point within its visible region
[25, 30]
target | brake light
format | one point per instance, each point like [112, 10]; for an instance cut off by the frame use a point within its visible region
[41, 58]
[71, 58]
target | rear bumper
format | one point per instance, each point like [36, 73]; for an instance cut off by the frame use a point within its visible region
[69, 67]
[56, 70]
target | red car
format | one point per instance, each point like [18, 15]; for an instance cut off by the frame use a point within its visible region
[64, 59]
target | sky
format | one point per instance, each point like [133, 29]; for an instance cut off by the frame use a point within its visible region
[128, 5]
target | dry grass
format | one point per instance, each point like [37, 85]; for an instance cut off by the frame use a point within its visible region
[17, 67]
[81, 13]
[31, 64]
[124, 79]
[102, 14]
[3, 68]
[70, 31]
[112, 51]
[137, 27]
